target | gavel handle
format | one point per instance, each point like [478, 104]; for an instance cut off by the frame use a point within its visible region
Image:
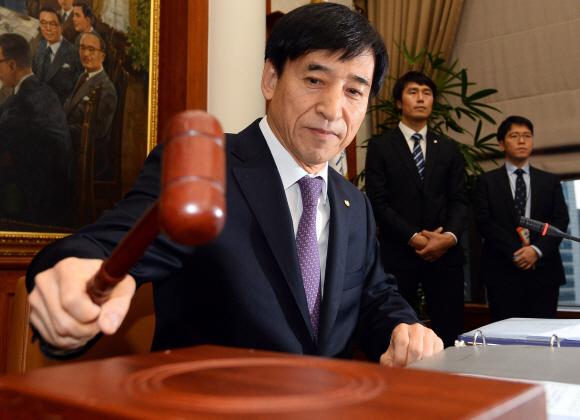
[124, 256]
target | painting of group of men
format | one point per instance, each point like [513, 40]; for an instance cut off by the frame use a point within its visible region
[41, 123]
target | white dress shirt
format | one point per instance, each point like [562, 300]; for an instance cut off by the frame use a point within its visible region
[291, 172]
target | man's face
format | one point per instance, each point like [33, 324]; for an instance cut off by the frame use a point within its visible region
[90, 51]
[517, 144]
[7, 71]
[50, 27]
[82, 24]
[318, 104]
[65, 4]
[416, 102]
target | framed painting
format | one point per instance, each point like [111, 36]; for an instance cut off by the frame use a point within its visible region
[129, 36]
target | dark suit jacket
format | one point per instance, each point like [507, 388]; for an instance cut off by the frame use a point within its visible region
[75, 109]
[497, 222]
[68, 28]
[33, 130]
[245, 288]
[403, 205]
[64, 69]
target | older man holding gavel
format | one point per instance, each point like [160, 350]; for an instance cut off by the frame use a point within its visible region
[296, 267]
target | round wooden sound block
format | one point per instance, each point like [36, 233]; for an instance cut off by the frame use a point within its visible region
[255, 385]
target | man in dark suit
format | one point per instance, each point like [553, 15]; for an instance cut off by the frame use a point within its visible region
[522, 270]
[68, 27]
[260, 284]
[416, 185]
[92, 57]
[57, 62]
[38, 186]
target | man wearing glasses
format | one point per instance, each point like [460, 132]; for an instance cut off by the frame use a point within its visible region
[92, 56]
[57, 61]
[522, 270]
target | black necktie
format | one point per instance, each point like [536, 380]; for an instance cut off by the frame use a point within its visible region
[521, 192]
[45, 64]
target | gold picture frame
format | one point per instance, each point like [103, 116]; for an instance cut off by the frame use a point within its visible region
[27, 244]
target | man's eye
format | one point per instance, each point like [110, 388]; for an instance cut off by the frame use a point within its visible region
[355, 92]
[313, 81]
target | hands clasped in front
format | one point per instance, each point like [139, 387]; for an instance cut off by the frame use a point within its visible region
[410, 343]
[62, 311]
[430, 246]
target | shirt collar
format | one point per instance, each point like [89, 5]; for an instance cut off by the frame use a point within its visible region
[289, 170]
[512, 168]
[408, 132]
[22, 80]
[94, 73]
[54, 47]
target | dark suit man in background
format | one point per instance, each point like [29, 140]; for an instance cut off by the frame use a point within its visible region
[83, 18]
[57, 62]
[415, 182]
[260, 284]
[38, 187]
[92, 57]
[68, 27]
[522, 271]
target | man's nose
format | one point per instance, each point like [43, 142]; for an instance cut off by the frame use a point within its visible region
[331, 103]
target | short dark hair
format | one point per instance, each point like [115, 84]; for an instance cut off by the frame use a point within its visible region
[15, 47]
[326, 26]
[51, 10]
[87, 11]
[506, 125]
[413, 76]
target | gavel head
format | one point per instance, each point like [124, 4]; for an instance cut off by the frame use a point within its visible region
[192, 205]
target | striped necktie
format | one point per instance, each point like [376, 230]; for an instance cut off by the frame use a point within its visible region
[418, 155]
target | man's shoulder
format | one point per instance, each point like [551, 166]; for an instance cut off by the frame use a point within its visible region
[542, 173]
[387, 137]
[493, 173]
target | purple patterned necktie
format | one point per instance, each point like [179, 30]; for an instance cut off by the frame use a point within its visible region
[307, 247]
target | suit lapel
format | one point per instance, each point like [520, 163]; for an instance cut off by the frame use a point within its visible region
[335, 260]
[431, 158]
[535, 182]
[83, 91]
[260, 183]
[505, 191]
[402, 148]
[57, 63]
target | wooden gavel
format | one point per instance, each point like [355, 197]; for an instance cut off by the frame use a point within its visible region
[191, 206]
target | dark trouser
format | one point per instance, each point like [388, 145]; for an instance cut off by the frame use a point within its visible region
[443, 286]
[523, 297]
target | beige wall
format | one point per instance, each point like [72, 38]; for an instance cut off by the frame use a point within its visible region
[237, 33]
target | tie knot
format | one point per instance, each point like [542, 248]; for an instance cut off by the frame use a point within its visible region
[520, 172]
[416, 137]
[310, 190]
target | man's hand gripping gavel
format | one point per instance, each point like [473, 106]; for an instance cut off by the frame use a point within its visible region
[190, 210]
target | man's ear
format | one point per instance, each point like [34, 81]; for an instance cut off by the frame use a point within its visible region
[269, 80]
[501, 145]
[399, 104]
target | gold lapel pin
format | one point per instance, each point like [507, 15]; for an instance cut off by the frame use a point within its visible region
[346, 203]
[435, 141]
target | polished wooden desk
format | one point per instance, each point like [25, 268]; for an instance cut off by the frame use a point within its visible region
[212, 382]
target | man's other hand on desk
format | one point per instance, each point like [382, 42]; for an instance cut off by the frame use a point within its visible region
[62, 311]
[410, 343]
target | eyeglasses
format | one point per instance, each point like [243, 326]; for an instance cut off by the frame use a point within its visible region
[516, 136]
[52, 23]
[6, 59]
[90, 50]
